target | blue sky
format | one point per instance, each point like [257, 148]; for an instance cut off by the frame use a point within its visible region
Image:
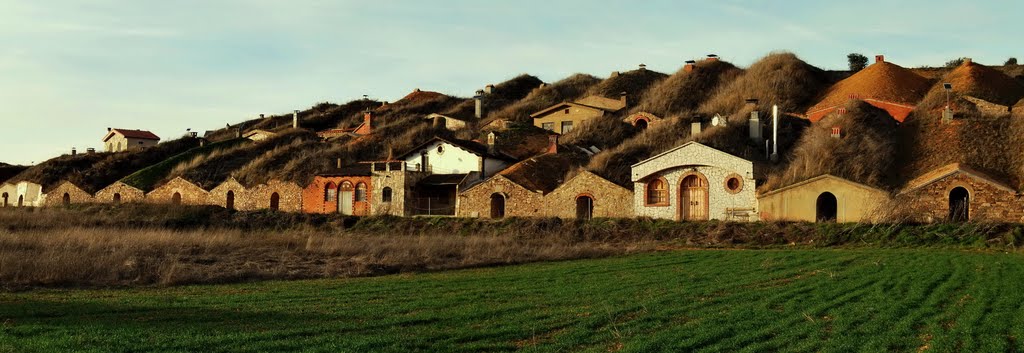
[72, 68]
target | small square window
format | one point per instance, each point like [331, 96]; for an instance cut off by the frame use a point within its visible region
[567, 111]
[566, 126]
[548, 126]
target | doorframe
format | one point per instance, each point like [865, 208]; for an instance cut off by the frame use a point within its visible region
[681, 209]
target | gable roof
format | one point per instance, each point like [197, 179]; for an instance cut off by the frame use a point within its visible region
[821, 177]
[687, 145]
[469, 146]
[258, 131]
[135, 134]
[608, 104]
[951, 169]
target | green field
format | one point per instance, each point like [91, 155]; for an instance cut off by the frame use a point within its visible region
[708, 300]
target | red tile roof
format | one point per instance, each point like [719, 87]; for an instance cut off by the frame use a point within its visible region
[135, 134]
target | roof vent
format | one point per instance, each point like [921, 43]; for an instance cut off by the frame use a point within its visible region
[712, 57]
[643, 67]
[879, 58]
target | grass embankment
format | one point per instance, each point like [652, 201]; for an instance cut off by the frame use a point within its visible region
[680, 301]
[146, 178]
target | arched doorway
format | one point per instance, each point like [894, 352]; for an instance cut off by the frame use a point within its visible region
[497, 205]
[117, 198]
[345, 198]
[66, 200]
[827, 208]
[641, 124]
[21, 200]
[5, 199]
[275, 201]
[584, 207]
[229, 202]
[959, 205]
[176, 199]
[693, 198]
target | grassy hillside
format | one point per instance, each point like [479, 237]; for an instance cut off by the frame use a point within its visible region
[778, 78]
[568, 89]
[148, 178]
[502, 95]
[683, 92]
[55, 170]
[610, 131]
[120, 165]
[688, 301]
[9, 170]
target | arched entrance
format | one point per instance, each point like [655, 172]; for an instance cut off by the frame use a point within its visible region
[584, 207]
[21, 200]
[693, 198]
[641, 124]
[229, 202]
[275, 201]
[176, 199]
[117, 198]
[959, 205]
[345, 197]
[66, 199]
[497, 205]
[827, 208]
[5, 199]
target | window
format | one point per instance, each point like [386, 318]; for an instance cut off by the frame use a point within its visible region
[657, 192]
[360, 192]
[548, 126]
[330, 192]
[566, 126]
[566, 110]
[733, 184]
[385, 195]
[440, 149]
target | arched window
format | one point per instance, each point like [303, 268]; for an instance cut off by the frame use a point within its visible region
[117, 198]
[497, 205]
[827, 208]
[330, 191]
[275, 201]
[66, 200]
[385, 195]
[118, 147]
[959, 205]
[640, 124]
[176, 198]
[360, 192]
[229, 203]
[584, 207]
[657, 192]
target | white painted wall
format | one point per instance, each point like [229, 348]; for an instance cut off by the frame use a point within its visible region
[31, 193]
[452, 160]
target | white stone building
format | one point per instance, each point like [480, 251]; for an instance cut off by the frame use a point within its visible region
[695, 182]
[117, 140]
[21, 194]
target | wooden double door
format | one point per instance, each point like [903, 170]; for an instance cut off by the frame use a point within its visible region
[693, 198]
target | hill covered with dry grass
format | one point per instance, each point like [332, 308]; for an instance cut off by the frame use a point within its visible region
[683, 92]
[777, 79]
[567, 89]
[8, 171]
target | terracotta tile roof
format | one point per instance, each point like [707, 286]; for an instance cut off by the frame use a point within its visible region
[950, 169]
[882, 81]
[135, 134]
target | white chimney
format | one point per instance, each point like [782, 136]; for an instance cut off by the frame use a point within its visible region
[489, 89]
[755, 127]
[74, 151]
[479, 104]
[295, 119]
[775, 133]
[695, 128]
[492, 140]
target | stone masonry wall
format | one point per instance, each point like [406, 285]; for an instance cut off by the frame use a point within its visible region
[987, 202]
[128, 193]
[75, 195]
[720, 200]
[610, 200]
[191, 194]
[290, 196]
[219, 195]
[519, 202]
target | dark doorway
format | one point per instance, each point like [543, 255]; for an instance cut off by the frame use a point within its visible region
[21, 200]
[584, 207]
[959, 205]
[497, 205]
[230, 202]
[827, 208]
[176, 199]
[5, 199]
[117, 198]
[275, 201]
[66, 200]
[641, 124]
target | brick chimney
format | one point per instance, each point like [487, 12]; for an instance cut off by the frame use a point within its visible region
[879, 58]
[552, 144]
[367, 122]
[837, 132]
[689, 65]
[712, 57]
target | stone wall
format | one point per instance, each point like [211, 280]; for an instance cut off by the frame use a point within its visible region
[289, 196]
[610, 199]
[127, 193]
[519, 202]
[315, 198]
[988, 202]
[989, 109]
[219, 195]
[191, 194]
[55, 197]
[400, 182]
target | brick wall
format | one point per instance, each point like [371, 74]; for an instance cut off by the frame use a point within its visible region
[610, 199]
[219, 195]
[191, 194]
[315, 196]
[987, 202]
[289, 196]
[75, 195]
[127, 193]
[519, 202]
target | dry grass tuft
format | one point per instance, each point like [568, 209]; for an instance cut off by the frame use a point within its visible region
[682, 93]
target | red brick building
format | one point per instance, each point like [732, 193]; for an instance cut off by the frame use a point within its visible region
[347, 191]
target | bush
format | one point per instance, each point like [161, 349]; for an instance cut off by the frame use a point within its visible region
[857, 62]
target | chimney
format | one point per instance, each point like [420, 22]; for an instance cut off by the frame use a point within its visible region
[755, 127]
[775, 133]
[712, 57]
[416, 90]
[615, 74]
[74, 151]
[879, 58]
[968, 60]
[622, 98]
[492, 141]
[261, 117]
[368, 121]
[339, 163]
[689, 65]
[643, 67]
[750, 103]
[542, 85]
[108, 129]
[90, 150]
[238, 132]
[836, 132]
[552, 144]
[841, 111]
[295, 119]
[439, 121]
[489, 89]
[695, 128]
[479, 98]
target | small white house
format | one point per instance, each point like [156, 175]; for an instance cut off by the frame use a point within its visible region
[695, 182]
[441, 156]
[117, 140]
[21, 194]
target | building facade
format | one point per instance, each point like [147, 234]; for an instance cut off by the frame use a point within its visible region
[957, 193]
[348, 192]
[22, 194]
[66, 194]
[275, 195]
[564, 117]
[178, 191]
[825, 198]
[118, 140]
[587, 195]
[118, 193]
[694, 182]
[230, 194]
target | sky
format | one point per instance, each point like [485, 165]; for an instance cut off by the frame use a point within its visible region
[70, 69]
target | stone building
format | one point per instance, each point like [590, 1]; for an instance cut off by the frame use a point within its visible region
[824, 198]
[957, 192]
[392, 192]
[22, 194]
[117, 140]
[230, 194]
[587, 195]
[259, 135]
[448, 122]
[275, 195]
[347, 190]
[563, 117]
[695, 182]
[178, 191]
[66, 194]
[517, 191]
[118, 193]
[988, 109]
[642, 120]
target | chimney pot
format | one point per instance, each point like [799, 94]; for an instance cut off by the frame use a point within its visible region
[489, 89]
[339, 163]
[74, 151]
[712, 57]
[261, 116]
[552, 143]
[108, 129]
[695, 128]
[622, 98]
[689, 65]
[416, 90]
[643, 67]
[295, 119]
[879, 58]
[615, 74]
